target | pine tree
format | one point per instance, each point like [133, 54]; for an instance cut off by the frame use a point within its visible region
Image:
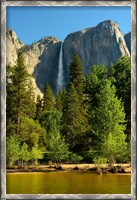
[60, 100]
[11, 126]
[48, 99]
[19, 95]
[76, 75]
[38, 108]
[75, 123]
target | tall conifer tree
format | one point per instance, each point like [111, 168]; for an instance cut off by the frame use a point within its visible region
[60, 100]
[75, 109]
[19, 95]
[38, 107]
[76, 75]
[48, 98]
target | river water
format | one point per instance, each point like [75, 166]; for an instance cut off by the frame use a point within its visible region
[67, 183]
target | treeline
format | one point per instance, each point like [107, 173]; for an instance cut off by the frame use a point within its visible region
[89, 121]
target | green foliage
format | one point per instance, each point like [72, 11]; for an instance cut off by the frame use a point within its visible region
[38, 107]
[31, 133]
[15, 152]
[76, 74]
[88, 119]
[115, 147]
[48, 99]
[109, 116]
[51, 120]
[20, 97]
[74, 158]
[30, 101]
[57, 148]
[60, 99]
[36, 154]
[122, 75]
[110, 72]
[94, 82]
[99, 161]
[12, 150]
[106, 110]
[24, 154]
[75, 123]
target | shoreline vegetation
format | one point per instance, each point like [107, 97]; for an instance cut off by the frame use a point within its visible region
[91, 168]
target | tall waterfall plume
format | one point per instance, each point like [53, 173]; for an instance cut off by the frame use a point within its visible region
[60, 78]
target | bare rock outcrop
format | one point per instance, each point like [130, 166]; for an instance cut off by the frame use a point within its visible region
[12, 45]
[128, 41]
[41, 59]
[102, 44]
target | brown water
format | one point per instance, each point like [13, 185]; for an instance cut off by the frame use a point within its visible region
[67, 183]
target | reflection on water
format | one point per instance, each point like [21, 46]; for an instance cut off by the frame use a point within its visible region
[67, 183]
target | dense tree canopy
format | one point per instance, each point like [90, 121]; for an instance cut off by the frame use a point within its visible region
[122, 74]
[109, 116]
[90, 119]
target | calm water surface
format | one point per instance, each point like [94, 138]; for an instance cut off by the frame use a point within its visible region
[67, 183]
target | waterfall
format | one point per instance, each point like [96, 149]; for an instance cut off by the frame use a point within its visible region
[60, 79]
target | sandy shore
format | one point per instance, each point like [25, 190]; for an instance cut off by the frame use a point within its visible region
[67, 168]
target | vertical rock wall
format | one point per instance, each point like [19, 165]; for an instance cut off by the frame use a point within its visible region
[102, 44]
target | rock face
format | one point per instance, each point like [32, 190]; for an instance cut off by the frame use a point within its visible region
[102, 44]
[42, 59]
[128, 41]
[12, 45]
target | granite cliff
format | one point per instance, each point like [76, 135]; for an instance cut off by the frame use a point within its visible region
[41, 59]
[12, 45]
[102, 44]
[128, 41]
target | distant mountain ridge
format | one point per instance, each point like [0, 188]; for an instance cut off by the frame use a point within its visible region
[102, 44]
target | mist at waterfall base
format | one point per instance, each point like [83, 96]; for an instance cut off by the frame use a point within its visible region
[60, 78]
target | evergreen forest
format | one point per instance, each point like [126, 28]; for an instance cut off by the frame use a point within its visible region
[88, 122]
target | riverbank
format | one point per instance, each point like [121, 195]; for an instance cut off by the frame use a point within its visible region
[102, 169]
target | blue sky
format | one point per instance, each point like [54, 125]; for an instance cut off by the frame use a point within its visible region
[33, 23]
